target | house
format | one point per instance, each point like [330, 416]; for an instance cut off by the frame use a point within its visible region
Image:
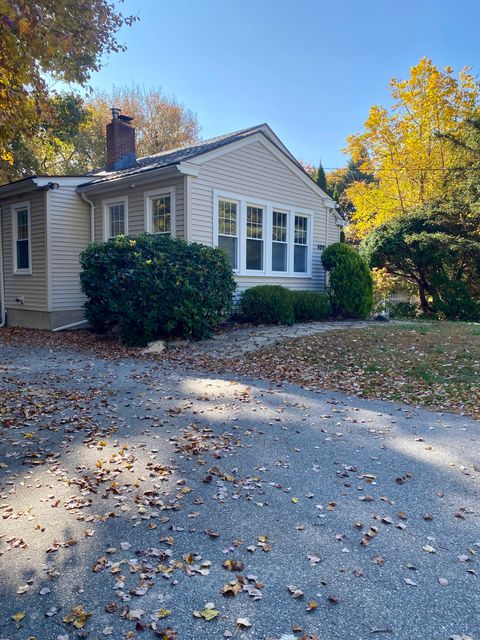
[244, 192]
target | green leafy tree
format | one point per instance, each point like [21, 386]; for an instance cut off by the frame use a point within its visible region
[339, 180]
[434, 250]
[53, 150]
[321, 178]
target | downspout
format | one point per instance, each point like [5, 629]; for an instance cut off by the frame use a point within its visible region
[92, 215]
[3, 311]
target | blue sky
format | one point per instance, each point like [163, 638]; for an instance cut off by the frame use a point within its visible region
[311, 69]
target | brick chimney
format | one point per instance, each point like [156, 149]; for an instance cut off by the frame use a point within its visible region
[120, 142]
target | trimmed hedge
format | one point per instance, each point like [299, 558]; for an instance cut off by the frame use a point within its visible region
[267, 304]
[155, 286]
[350, 286]
[310, 306]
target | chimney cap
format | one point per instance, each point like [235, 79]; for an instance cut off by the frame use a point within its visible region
[115, 112]
[125, 118]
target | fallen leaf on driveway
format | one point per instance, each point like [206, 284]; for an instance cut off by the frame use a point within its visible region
[77, 616]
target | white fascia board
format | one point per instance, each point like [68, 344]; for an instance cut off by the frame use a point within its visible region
[62, 181]
[130, 181]
[188, 169]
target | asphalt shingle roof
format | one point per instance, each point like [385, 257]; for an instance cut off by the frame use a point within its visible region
[171, 157]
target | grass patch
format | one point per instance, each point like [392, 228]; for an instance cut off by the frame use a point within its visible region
[435, 364]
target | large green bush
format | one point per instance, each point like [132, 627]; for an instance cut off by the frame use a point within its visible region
[155, 286]
[267, 304]
[310, 306]
[350, 287]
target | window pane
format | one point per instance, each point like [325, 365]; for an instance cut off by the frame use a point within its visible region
[117, 219]
[300, 258]
[279, 256]
[161, 214]
[301, 230]
[227, 218]
[229, 245]
[255, 254]
[255, 222]
[23, 260]
[22, 224]
[279, 227]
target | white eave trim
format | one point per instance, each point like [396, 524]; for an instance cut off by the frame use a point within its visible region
[188, 169]
[129, 181]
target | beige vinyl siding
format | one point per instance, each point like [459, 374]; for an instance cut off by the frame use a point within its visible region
[255, 172]
[136, 205]
[31, 287]
[69, 234]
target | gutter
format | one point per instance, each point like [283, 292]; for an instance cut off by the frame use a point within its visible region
[92, 215]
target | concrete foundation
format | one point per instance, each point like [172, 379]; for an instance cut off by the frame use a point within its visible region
[42, 319]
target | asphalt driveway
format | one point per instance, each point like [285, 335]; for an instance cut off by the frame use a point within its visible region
[136, 493]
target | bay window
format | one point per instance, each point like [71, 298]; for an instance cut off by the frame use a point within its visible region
[255, 217]
[228, 229]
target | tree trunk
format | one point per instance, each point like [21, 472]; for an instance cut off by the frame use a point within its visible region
[426, 307]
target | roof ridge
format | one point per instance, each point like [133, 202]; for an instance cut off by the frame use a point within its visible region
[202, 142]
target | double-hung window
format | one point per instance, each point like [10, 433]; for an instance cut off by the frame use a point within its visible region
[228, 229]
[262, 237]
[21, 238]
[300, 240]
[254, 252]
[115, 217]
[279, 241]
[160, 211]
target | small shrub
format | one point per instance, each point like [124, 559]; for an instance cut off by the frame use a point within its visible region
[267, 304]
[400, 310]
[155, 286]
[350, 287]
[310, 306]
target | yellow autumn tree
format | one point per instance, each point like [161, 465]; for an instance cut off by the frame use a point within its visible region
[401, 148]
[43, 41]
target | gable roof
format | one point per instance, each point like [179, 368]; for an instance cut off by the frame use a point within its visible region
[183, 154]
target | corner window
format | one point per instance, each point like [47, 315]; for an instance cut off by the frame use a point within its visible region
[279, 241]
[300, 239]
[160, 211]
[255, 217]
[228, 229]
[115, 218]
[21, 238]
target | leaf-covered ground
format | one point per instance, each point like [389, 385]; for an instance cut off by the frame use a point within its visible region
[139, 499]
[436, 365]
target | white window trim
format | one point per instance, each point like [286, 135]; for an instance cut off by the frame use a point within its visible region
[148, 197]
[238, 236]
[17, 207]
[269, 206]
[296, 212]
[289, 222]
[106, 218]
